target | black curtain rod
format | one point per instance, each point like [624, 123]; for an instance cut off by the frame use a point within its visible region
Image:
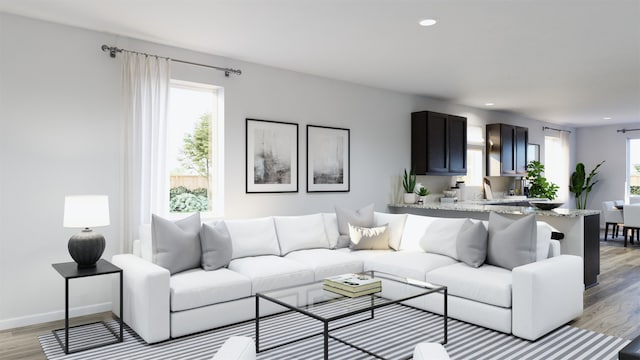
[114, 50]
[554, 129]
[626, 130]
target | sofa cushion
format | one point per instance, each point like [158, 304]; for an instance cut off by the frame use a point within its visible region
[396, 226]
[270, 272]
[331, 228]
[412, 264]
[511, 243]
[253, 237]
[301, 232]
[359, 217]
[176, 245]
[325, 263]
[487, 284]
[363, 238]
[195, 288]
[471, 243]
[364, 254]
[414, 229]
[440, 237]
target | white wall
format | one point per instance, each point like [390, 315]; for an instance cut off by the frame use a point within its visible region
[595, 144]
[61, 133]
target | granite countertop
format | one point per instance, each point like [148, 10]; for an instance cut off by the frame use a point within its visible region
[487, 206]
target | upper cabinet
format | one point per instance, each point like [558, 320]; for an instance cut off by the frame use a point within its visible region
[506, 150]
[438, 143]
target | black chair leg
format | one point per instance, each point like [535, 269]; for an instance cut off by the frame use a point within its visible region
[626, 234]
[606, 230]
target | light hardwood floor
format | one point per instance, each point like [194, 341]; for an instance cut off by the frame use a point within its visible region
[612, 307]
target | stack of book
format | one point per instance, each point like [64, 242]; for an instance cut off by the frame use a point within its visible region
[352, 285]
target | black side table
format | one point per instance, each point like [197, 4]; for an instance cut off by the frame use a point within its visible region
[69, 271]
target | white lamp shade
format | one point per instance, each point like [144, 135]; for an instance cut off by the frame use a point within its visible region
[83, 211]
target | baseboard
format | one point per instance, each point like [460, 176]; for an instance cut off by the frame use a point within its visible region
[53, 316]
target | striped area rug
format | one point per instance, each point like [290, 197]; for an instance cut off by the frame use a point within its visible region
[392, 333]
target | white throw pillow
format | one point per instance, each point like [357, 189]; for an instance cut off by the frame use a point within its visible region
[301, 232]
[362, 238]
[396, 226]
[440, 237]
[253, 237]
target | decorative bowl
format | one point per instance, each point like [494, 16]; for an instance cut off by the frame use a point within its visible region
[546, 204]
[449, 193]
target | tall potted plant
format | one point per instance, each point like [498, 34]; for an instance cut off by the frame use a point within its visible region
[409, 184]
[582, 184]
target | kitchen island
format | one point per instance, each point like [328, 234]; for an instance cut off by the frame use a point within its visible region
[581, 228]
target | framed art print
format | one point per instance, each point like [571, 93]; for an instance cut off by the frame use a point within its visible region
[272, 156]
[328, 162]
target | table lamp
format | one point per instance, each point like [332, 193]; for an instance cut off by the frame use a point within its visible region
[86, 211]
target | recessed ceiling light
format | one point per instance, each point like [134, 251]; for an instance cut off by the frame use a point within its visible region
[607, 118]
[427, 22]
[489, 104]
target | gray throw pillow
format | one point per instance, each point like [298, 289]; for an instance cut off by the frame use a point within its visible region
[471, 243]
[362, 238]
[512, 243]
[216, 245]
[176, 245]
[359, 217]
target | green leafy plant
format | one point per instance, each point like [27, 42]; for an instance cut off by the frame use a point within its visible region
[423, 191]
[187, 202]
[539, 186]
[582, 184]
[409, 181]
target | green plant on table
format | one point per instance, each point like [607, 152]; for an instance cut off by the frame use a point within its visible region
[422, 191]
[539, 186]
[582, 184]
[409, 181]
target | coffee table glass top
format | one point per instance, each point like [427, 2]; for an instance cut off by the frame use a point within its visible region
[312, 300]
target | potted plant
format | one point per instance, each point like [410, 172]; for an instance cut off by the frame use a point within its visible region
[422, 193]
[409, 184]
[581, 184]
[539, 186]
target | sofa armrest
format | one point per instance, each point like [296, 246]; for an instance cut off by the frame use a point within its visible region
[145, 297]
[546, 295]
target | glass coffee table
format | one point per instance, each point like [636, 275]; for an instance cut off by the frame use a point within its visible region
[336, 311]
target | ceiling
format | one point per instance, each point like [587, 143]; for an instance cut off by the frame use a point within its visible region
[569, 62]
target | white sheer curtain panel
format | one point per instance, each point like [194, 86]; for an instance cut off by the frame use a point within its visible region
[146, 90]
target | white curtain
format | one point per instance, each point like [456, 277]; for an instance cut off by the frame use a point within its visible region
[146, 90]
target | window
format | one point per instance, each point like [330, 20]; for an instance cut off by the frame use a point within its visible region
[475, 156]
[194, 148]
[633, 170]
[556, 163]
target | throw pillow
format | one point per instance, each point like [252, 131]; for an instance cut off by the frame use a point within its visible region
[359, 217]
[362, 238]
[512, 243]
[440, 237]
[176, 245]
[471, 243]
[216, 246]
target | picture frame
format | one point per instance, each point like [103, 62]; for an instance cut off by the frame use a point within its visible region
[328, 159]
[271, 156]
[533, 152]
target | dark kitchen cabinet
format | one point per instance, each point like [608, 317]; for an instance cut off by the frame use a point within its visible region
[506, 147]
[438, 143]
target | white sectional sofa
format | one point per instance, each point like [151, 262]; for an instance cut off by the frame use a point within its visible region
[527, 301]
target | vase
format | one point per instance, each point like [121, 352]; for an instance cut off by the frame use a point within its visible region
[409, 198]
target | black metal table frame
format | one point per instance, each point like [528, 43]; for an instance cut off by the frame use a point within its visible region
[326, 331]
[65, 345]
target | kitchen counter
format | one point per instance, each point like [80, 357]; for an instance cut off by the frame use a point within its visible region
[581, 228]
[498, 206]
